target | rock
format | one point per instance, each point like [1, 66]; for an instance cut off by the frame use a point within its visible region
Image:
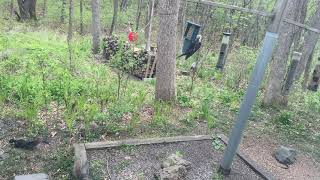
[175, 160]
[173, 168]
[285, 155]
[40, 176]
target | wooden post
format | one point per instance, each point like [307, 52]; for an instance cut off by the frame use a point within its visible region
[81, 164]
[315, 81]
[290, 76]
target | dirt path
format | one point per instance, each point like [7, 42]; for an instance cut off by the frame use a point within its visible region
[260, 149]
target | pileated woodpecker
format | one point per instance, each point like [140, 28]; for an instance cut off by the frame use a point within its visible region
[193, 48]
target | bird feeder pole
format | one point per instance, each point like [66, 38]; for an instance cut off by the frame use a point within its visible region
[265, 56]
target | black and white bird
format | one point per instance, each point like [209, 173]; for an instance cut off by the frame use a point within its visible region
[194, 47]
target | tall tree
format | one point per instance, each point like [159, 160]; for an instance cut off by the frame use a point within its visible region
[166, 54]
[70, 32]
[81, 17]
[63, 11]
[11, 8]
[303, 6]
[96, 29]
[311, 40]
[278, 65]
[123, 5]
[115, 16]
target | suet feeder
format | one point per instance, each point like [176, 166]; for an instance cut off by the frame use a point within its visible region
[190, 35]
[223, 50]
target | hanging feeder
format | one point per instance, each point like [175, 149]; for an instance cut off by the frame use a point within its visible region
[223, 50]
[190, 35]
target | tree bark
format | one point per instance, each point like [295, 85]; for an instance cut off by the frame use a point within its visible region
[138, 15]
[81, 18]
[96, 28]
[278, 66]
[302, 8]
[63, 11]
[307, 71]
[11, 8]
[310, 42]
[123, 5]
[27, 9]
[181, 23]
[166, 54]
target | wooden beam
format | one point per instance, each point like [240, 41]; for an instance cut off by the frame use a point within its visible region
[134, 142]
[301, 25]
[232, 7]
[81, 164]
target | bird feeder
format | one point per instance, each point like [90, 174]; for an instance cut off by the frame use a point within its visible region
[223, 50]
[190, 35]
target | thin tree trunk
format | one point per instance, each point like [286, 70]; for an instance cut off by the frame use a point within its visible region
[138, 15]
[123, 5]
[44, 8]
[63, 11]
[96, 28]
[278, 66]
[11, 8]
[310, 42]
[27, 9]
[115, 16]
[302, 8]
[149, 25]
[81, 18]
[70, 32]
[307, 72]
[166, 54]
[181, 23]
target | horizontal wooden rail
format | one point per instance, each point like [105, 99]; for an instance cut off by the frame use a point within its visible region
[232, 7]
[301, 25]
[134, 142]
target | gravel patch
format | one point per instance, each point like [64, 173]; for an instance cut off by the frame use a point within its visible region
[141, 162]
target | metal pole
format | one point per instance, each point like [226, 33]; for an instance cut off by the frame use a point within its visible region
[269, 43]
[265, 55]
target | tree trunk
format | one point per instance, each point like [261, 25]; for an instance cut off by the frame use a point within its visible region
[166, 54]
[63, 11]
[149, 25]
[310, 42]
[115, 16]
[181, 23]
[307, 72]
[278, 66]
[302, 8]
[96, 29]
[138, 15]
[123, 5]
[70, 32]
[11, 8]
[27, 9]
[81, 18]
[44, 8]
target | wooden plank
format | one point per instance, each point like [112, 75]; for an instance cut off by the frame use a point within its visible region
[132, 142]
[232, 7]
[249, 162]
[81, 164]
[301, 25]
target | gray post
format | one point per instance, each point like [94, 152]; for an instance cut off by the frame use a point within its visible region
[290, 76]
[223, 51]
[265, 55]
[245, 109]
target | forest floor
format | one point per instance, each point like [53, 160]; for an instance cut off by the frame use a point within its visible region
[210, 109]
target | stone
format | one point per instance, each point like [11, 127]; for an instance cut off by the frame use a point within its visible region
[173, 168]
[285, 155]
[40, 176]
[173, 160]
